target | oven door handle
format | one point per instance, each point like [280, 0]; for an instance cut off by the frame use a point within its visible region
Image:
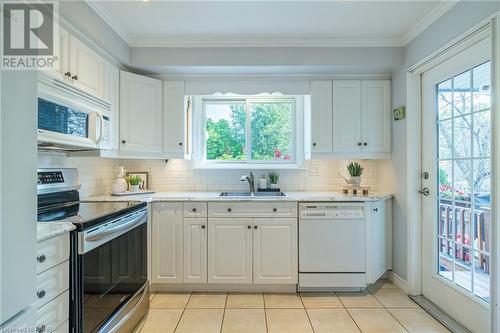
[120, 228]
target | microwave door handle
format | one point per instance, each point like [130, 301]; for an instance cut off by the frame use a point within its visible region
[101, 127]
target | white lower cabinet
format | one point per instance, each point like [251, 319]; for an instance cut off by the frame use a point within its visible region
[230, 250]
[224, 243]
[195, 250]
[275, 250]
[166, 254]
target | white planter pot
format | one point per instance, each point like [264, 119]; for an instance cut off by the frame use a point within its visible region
[356, 181]
[274, 186]
[134, 188]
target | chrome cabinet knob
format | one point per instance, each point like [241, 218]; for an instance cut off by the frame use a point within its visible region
[74, 77]
[124, 141]
[229, 210]
[249, 227]
[41, 258]
[203, 227]
[193, 210]
[255, 227]
[275, 210]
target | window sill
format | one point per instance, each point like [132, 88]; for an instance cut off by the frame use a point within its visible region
[244, 166]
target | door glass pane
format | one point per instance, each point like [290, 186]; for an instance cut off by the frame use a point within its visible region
[464, 165]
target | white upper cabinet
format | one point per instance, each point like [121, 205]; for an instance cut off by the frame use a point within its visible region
[78, 64]
[86, 67]
[358, 123]
[275, 250]
[173, 118]
[230, 250]
[346, 131]
[376, 120]
[166, 256]
[111, 93]
[321, 116]
[141, 114]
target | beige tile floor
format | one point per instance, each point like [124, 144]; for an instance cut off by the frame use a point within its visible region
[383, 308]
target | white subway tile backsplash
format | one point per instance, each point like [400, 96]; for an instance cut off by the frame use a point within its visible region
[97, 174]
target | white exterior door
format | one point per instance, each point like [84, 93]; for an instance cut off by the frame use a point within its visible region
[166, 256]
[376, 116]
[86, 67]
[141, 113]
[275, 250]
[230, 250]
[347, 116]
[321, 116]
[195, 250]
[456, 151]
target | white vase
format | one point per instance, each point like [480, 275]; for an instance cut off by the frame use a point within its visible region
[356, 181]
[274, 186]
[134, 188]
[119, 186]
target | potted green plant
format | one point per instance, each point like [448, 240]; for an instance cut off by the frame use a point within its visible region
[355, 171]
[134, 182]
[274, 177]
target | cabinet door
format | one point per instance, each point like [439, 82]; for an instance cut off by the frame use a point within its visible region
[346, 116]
[376, 119]
[195, 250]
[321, 116]
[379, 240]
[230, 250]
[86, 67]
[173, 117]
[62, 62]
[141, 114]
[111, 93]
[275, 250]
[166, 256]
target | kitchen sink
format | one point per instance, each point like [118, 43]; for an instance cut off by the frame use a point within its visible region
[255, 194]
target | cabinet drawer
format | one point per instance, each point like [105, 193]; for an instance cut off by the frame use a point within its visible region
[53, 314]
[195, 209]
[51, 283]
[52, 252]
[252, 209]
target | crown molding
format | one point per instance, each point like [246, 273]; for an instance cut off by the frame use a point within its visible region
[110, 20]
[262, 41]
[441, 9]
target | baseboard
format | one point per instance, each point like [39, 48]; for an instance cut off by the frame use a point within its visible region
[181, 287]
[398, 281]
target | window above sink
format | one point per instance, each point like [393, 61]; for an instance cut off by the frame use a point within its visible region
[248, 132]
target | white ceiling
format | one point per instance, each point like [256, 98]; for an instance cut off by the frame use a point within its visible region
[269, 23]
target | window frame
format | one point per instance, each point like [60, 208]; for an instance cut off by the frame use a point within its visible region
[199, 133]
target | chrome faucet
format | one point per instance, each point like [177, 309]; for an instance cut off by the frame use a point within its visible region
[251, 181]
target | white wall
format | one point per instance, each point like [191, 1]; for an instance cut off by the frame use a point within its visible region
[459, 19]
[18, 192]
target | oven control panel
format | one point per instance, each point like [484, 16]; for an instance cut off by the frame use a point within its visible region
[50, 177]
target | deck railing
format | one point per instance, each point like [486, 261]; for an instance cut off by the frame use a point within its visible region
[455, 224]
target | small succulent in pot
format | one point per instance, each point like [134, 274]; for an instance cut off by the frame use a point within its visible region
[134, 182]
[274, 177]
[355, 171]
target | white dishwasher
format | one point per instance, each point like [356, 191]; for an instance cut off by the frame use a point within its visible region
[332, 246]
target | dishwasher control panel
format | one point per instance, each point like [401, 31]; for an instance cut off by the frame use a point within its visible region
[332, 212]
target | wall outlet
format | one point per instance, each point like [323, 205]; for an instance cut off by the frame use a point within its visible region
[314, 170]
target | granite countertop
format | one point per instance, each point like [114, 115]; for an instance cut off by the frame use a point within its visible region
[214, 196]
[46, 230]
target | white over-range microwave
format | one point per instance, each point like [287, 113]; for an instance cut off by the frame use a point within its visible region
[71, 119]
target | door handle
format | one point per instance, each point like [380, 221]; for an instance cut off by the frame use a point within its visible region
[425, 191]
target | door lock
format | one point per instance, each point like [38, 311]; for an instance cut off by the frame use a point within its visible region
[425, 191]
[425, 175]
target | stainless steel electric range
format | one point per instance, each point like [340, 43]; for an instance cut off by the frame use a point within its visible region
[108, 274]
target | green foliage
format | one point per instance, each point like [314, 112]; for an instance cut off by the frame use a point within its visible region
[274, 177]
[355, 169]
[271, 133]
[133, 180]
